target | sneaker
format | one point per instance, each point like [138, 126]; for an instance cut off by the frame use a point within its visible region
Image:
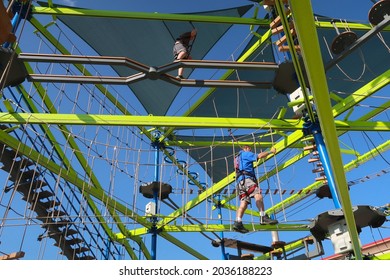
[266, 220]
[238, 226]
[180, 77]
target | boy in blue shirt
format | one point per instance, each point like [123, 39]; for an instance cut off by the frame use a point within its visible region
[247, 187]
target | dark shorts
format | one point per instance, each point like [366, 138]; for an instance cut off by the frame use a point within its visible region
[244, 185]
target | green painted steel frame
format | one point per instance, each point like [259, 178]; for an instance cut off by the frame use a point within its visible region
[188, 122]
[302, 14]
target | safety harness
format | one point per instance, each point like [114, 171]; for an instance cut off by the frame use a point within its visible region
[243, 173]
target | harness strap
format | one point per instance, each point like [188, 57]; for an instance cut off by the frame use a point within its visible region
[248, 192]
[243, 172]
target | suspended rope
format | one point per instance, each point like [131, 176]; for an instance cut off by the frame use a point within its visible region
[277, 175]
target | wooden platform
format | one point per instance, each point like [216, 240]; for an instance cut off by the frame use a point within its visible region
[242, 245]
[12, 256]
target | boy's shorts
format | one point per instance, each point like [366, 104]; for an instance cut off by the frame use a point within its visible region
[244, 186]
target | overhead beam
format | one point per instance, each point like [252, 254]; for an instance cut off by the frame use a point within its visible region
[62, 11]
[133, 64]
[187, 122]
[146, 72]
[142, 76]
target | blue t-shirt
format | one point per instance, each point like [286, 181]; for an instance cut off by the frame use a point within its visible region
[245, 163]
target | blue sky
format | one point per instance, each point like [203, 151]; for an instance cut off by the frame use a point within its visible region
[371, 191]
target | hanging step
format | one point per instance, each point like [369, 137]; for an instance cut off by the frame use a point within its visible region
[242, 257]
[31, 185]
[12, 256]
[321, 178]
[247, 256]
[49, 224]
[286, 48]
[38, 196]
[277, 21]
[241, 245]
[50, 204]
[9, 154]
[24, 162]
[69, 232]
[74, 241]
[86, 258]
[283, 39]
[58, 213]
[81, 250]
[7, 157]
[28, 175]
[310, 148]
[317, 170]
[70, 242]
[53, 233]
[279, 29]
[36, 206]
[62, 223]
[310, 160]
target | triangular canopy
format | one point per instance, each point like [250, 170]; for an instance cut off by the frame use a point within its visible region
[149, 42]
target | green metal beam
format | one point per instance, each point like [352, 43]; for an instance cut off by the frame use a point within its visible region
[362, 126]
[229, 144]
[362, 93]
[149, 121]
[222, 228]
[187, 122]
[354, 26]
[299, 244]
[308, 40]
[60, 11]
[309, 190]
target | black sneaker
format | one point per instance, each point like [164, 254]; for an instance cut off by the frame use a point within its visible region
[238, 226]
[266, 220]
[180, 77]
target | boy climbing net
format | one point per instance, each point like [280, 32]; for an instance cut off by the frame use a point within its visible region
[247, 187]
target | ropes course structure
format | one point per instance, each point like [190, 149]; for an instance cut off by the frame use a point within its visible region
[106, 155]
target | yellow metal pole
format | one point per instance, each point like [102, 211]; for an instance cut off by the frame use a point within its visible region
[308, 39]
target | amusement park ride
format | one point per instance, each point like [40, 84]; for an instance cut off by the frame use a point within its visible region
[106, 154]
